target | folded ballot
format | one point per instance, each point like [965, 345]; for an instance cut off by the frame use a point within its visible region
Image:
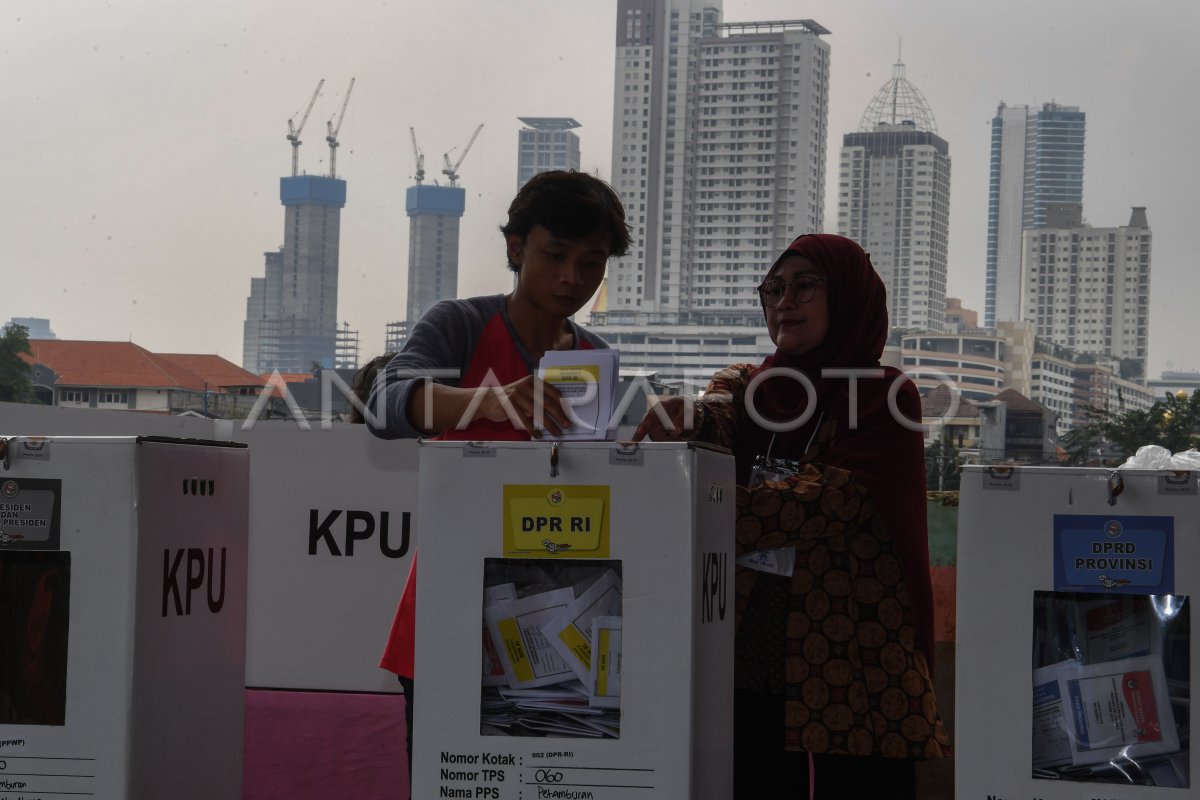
[587, 381]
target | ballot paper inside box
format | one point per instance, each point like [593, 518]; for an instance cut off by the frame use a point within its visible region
[603, 598]
[122, 618]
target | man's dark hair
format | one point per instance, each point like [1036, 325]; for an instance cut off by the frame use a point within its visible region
[364, 379]
[571, 205]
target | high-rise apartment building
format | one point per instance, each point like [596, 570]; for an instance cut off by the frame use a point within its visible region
[894, 200]
[1036, 159]
[1088, 288]
[291, 313]
[718, 155]
[546, 143]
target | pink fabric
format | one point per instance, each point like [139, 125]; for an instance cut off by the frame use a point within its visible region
[302, 745]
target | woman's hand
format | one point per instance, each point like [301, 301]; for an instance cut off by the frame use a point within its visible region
[679, 412]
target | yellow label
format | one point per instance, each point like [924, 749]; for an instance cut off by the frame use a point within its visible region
[578, 644]
[602, 667]
[510, 636]
[551, 521]
[584, 373]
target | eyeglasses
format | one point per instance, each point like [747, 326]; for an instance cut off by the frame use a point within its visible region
[803, 288]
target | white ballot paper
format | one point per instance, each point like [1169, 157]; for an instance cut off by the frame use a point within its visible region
[604, 683]
[571, 632]
[1090, 713]
[516, 627]
[493, 668]
[1116, 626]
[587, 381]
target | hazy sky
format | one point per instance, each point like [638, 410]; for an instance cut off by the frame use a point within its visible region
[144, 139]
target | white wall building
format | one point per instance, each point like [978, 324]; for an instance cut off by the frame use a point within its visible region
[1089, 288]
[984, 363]
[718, 154]
[544, 144]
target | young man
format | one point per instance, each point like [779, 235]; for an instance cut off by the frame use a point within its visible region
[466, 371]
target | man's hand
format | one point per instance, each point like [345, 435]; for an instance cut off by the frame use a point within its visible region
[536, 403]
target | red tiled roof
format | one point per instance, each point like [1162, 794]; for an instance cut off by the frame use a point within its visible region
[117, 364]
[213, 369]
[1017, 401]
[125, 364]
[936, 402]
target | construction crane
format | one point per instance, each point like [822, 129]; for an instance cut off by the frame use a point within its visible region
[451, 170]
[418, 157]
[294, 130]
[333, 132]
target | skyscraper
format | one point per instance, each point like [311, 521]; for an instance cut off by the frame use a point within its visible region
[291, 314]
[546, 143]
[258, 331]
[894, 200]
[434, 213]
[718, 155]
[1037, 158]
[1089, 288]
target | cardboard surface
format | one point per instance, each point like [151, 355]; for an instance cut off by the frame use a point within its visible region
[1007, 554]
[151, 542]
[331, 538]
[670, 513]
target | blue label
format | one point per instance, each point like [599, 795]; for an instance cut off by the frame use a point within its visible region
[1079, 715]
[1045, 694]
[1126, 555]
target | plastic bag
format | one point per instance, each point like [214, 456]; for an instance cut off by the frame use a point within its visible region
[1153, 456]
[1188, 459]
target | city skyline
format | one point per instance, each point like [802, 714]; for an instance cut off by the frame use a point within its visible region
[143, 195]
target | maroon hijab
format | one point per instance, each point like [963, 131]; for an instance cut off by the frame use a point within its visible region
[886, 456]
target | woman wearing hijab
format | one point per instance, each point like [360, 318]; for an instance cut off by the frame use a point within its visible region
[834, 644]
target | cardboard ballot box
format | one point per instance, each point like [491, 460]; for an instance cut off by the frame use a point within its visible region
[1076, 652]
[574, 621]
[330, 544]
[330, 538]
[122, 617]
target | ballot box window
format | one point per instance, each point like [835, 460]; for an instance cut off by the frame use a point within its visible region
[34, 613]
[551, 648]
[1111, 690]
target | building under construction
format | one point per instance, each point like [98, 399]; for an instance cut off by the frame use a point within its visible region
[434, 212]
[291, 313]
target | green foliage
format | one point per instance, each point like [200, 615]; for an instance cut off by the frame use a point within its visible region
[941, 466]
[15, 383]
[1173, 423]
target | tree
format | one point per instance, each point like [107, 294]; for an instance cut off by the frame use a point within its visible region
[941, 465]
[15, 383]
[1173, 423]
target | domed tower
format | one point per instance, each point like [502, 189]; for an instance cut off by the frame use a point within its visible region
[894, 200]
[898, 102]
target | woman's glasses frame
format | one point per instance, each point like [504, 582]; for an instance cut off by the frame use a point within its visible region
[804, 288]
